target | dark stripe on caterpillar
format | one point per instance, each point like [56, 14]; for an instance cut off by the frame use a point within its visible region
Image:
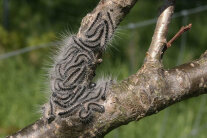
[69, 112]
[68, 53]
[106, 31]
[112, 25]
[69, 60]
[57, 70]
[73, 94]
[59, 65]
[77, 65]
[97, 38]
[99, 27]
[78, 94]
[51, 107]
[85, 96]
[61, 97]
[64, 105]
[59, 104]
[80, 77]
[89, 46]
[93, 97]
[70, 76]
[82, 47]
[65, 59]
[85, 115]
[94, 22]
[63, 88]
[51, 114]
[84, 56]
[75, 57]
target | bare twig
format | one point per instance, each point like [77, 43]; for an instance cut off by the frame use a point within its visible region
[178, 34]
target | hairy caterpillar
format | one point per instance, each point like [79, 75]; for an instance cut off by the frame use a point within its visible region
[71, 86]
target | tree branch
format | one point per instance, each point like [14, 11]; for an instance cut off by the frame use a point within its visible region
[178, 34]
[159, 38]
[147, 92]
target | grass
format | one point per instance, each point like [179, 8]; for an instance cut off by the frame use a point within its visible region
[21, 87]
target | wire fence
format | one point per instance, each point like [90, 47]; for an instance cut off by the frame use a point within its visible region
[128, 26]
[176, 15]
[26, 49]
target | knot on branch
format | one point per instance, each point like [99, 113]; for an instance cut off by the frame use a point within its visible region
[151, 85]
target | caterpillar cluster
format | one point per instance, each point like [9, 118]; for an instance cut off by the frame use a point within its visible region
[72, 89]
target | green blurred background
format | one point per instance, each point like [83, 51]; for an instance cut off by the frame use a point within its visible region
[23, 78]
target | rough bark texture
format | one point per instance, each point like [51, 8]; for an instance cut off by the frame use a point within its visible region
[150, 90]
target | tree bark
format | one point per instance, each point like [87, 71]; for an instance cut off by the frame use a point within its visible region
[147, 92]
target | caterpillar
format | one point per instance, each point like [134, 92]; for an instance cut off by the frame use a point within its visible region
[71, 76]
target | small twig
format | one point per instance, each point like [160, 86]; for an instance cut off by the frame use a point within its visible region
[179, 33]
